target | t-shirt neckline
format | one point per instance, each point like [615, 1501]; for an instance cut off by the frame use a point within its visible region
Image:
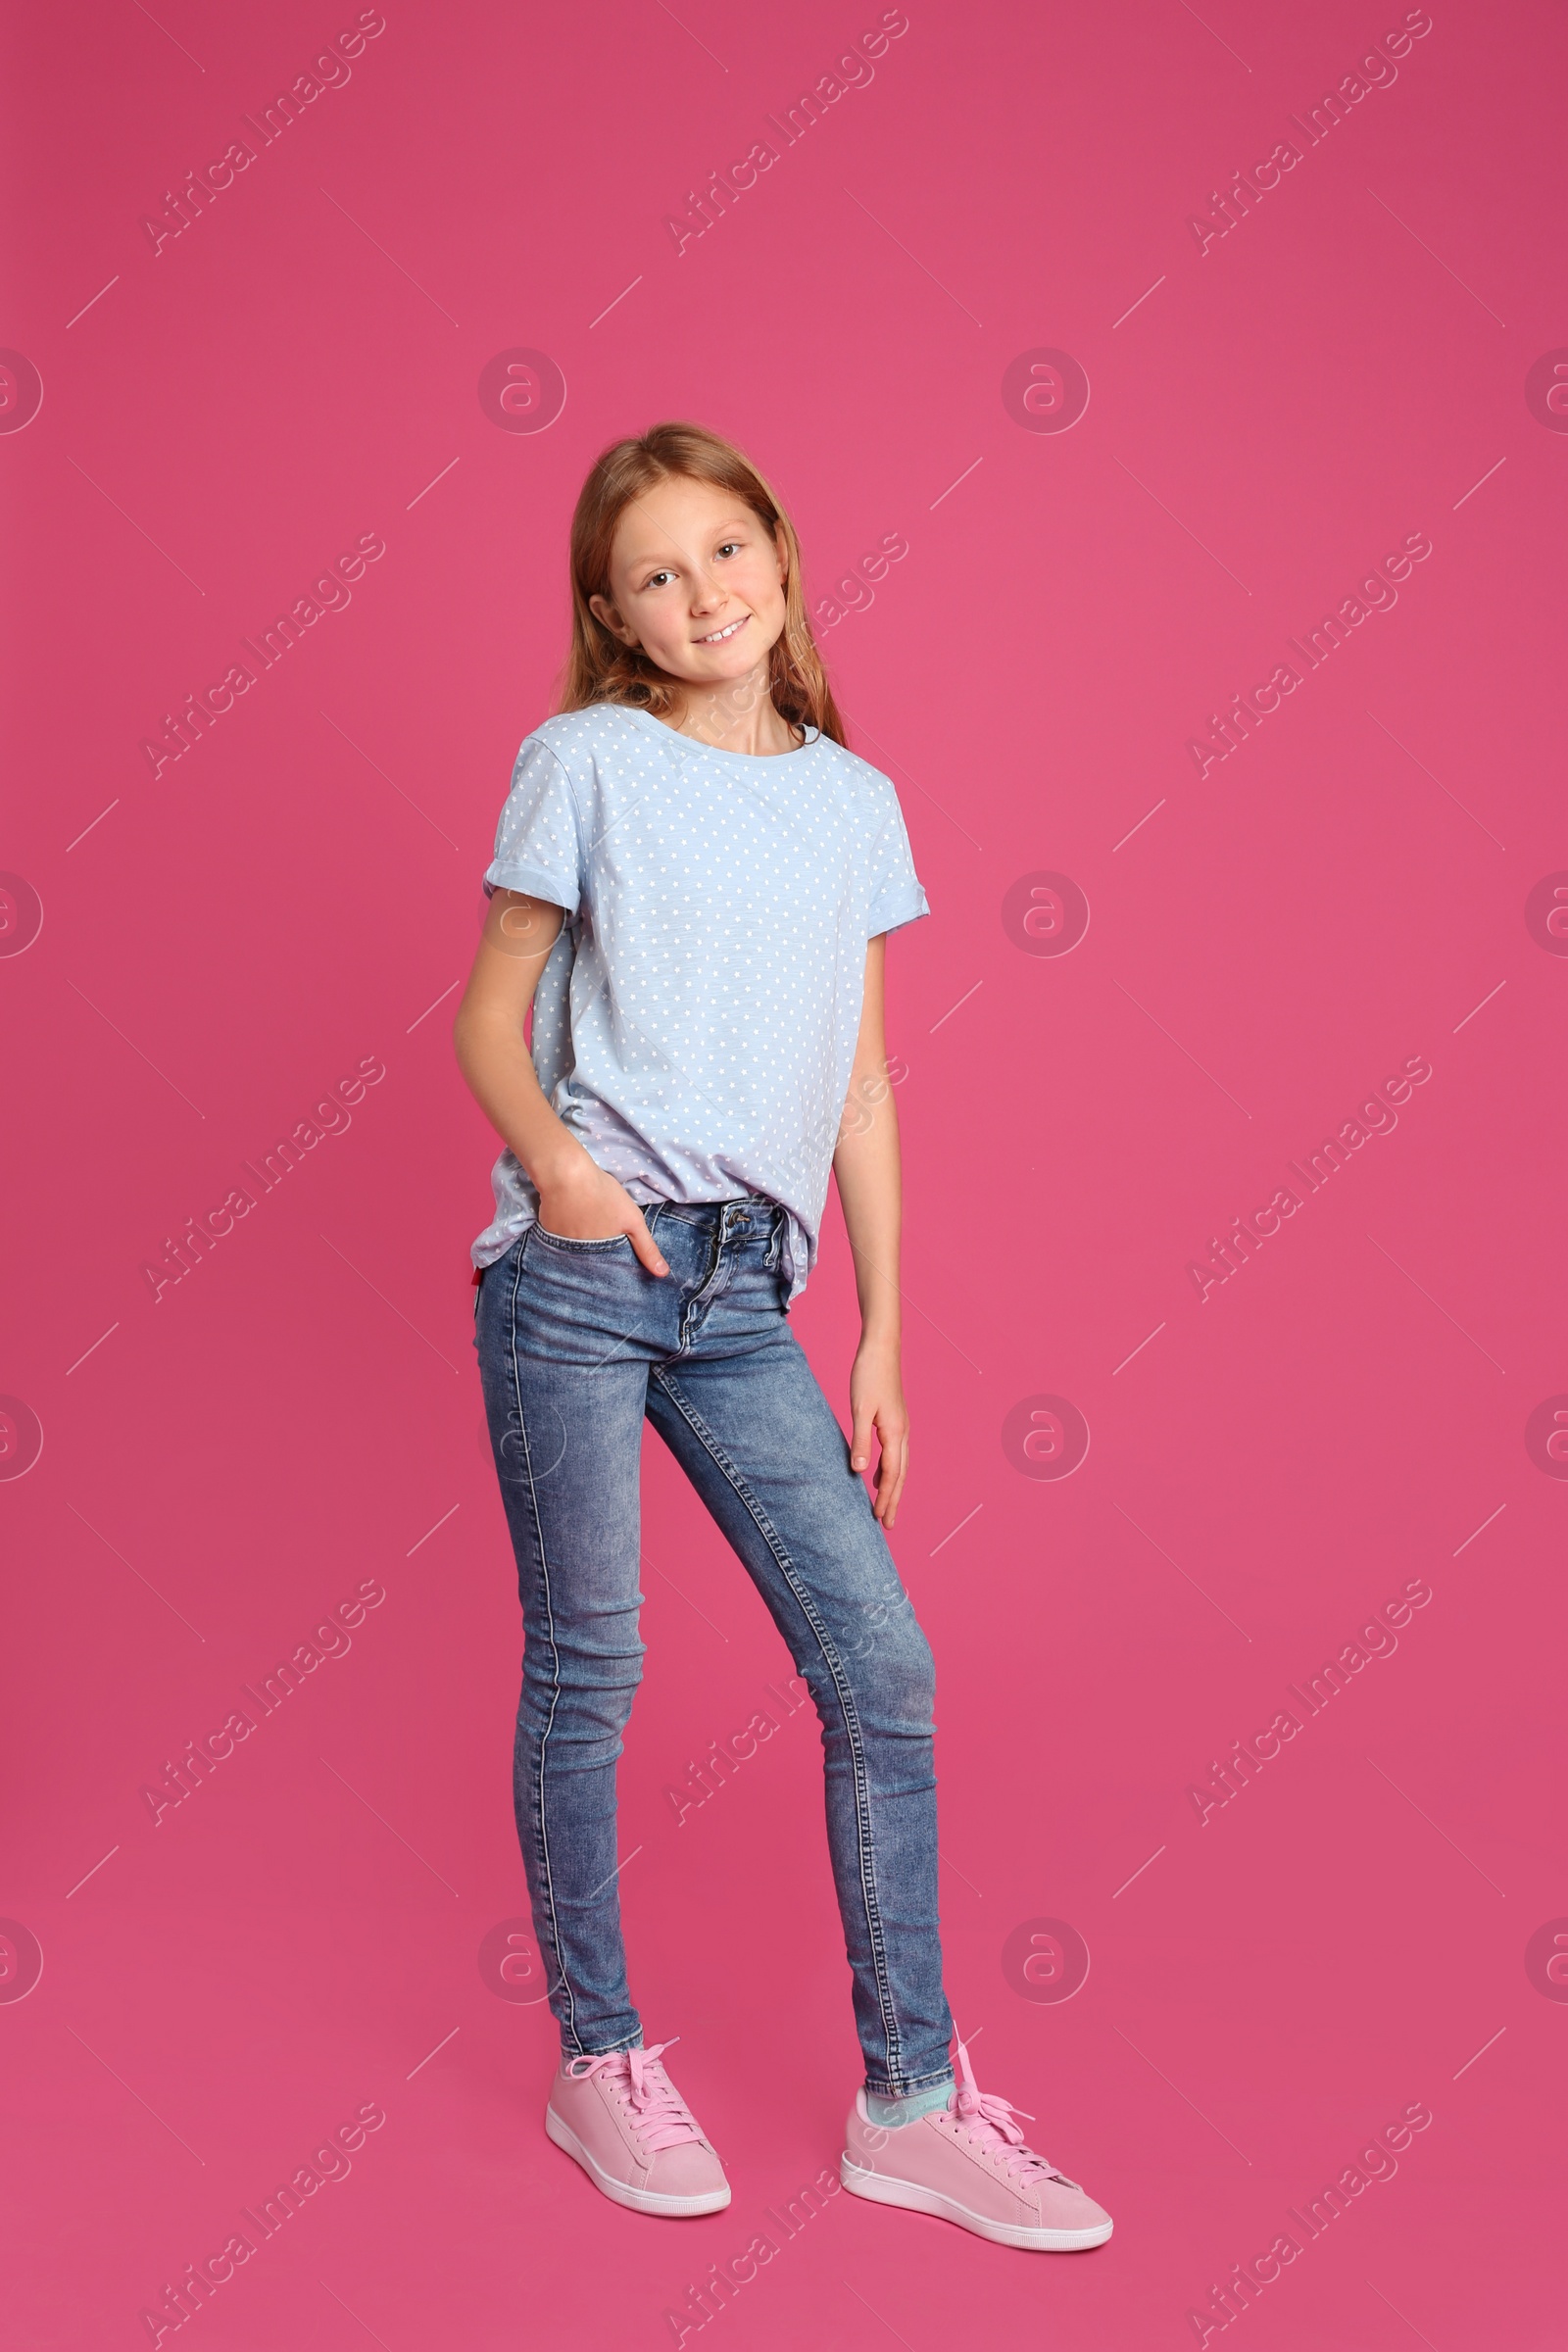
[714, 751]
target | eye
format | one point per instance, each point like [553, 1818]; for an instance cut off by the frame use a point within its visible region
[731, 546]
[653, 580]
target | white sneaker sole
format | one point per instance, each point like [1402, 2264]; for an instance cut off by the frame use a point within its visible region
[882, 2190]
[621, 2192]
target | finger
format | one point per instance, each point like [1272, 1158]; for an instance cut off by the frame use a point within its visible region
[892, 1471]
[881, 1482]
[647, 1248]
[860, 1438]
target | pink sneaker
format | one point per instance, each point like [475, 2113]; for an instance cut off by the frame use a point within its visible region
[633, 2133]
[969, 2162]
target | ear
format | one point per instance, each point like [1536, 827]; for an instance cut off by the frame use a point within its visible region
[603, 611]
[781, 549]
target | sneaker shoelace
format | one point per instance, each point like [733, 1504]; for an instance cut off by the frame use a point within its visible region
[989, 2121]
[661, 2114]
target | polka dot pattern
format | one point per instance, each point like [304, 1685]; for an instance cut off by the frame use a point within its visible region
[695, 1024]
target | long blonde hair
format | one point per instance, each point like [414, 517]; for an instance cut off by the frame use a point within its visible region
[599, 668]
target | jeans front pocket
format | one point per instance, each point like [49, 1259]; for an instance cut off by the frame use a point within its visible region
[563, 1240]
[588, 1303]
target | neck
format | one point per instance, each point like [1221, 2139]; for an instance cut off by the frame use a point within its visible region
[735, 715]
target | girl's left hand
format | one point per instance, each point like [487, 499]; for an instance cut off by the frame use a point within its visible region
[876, 1402]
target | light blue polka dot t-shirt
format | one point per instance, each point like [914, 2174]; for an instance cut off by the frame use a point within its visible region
[696, 1021]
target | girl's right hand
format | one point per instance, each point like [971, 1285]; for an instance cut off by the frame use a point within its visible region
[589, 1205]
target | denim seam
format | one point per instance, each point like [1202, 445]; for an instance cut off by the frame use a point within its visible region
[920, 2082]
[830, 1657]
[633, 2041]
[549, 1617]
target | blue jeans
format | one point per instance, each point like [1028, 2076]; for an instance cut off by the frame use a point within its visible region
[576, 1343]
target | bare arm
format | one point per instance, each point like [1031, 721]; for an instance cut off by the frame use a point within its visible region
[865, 1165]
[577, 1197]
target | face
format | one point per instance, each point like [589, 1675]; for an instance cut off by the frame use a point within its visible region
[697, 580]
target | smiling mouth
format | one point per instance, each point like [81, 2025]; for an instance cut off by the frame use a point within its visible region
[720, 636]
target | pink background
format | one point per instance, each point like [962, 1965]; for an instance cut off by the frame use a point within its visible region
[1267, 942]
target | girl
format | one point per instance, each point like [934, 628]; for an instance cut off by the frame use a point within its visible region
[692, 888]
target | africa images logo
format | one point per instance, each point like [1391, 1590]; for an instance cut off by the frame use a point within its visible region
[1044, 1437]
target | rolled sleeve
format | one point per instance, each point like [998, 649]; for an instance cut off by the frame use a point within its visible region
[538, 847]
[895, 907]
[897, 897]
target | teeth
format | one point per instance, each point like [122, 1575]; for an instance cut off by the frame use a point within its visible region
[718, 636]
